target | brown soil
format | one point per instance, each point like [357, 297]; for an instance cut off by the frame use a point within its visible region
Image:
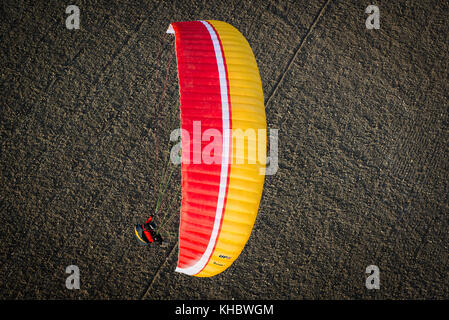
[363, 151]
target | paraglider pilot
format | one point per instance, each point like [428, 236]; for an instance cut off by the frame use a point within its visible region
[146, 233]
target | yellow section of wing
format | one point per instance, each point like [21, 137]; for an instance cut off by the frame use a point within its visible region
[248, 155]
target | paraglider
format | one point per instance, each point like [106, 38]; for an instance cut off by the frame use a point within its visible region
[147, 232]
[220, 88]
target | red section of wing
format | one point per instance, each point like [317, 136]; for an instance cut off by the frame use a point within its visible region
[199, 87]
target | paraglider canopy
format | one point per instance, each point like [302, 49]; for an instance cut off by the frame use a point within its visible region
[221, 98]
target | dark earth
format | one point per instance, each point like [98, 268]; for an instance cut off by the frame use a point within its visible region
[363, 173]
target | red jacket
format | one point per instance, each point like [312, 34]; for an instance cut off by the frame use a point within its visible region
[149, 233]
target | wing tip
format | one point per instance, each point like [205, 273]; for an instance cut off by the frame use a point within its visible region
[170, 29]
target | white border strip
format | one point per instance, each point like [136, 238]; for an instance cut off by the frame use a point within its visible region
[200, 264]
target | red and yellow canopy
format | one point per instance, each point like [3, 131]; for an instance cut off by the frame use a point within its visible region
[220, 88]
